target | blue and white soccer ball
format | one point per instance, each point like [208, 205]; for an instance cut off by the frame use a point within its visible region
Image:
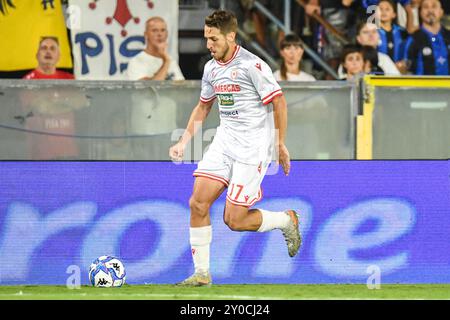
[107, 271]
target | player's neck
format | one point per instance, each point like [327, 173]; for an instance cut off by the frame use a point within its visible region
[46, 69]
[230, 53]
[433, 28]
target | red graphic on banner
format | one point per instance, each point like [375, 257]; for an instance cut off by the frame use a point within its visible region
[122, 13]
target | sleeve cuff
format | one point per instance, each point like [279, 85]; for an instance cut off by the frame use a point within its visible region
[268, 99]
[205, 100]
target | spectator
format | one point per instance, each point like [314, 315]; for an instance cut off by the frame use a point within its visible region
[352, 61]
[50, 110]
[368, 36]
[48, 56]
[154, 62]
[427, 50]
[406, 4]
[338, 14]
[291, 51]
[392, 36]
[153, 114]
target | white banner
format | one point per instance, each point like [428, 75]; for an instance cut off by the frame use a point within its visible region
[106, 34]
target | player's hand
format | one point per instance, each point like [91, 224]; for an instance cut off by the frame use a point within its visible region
[176, 152]
[284, 158]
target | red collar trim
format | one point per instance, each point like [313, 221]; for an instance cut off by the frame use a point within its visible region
[236, 50]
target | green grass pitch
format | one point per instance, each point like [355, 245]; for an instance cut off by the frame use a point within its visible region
[229, 292]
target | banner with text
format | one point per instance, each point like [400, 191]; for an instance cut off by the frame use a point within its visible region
[107, 34]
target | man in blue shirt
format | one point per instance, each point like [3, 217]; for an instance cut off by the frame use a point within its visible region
[427, 50]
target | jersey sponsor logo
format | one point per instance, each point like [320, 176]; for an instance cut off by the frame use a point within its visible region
[226, 99]
[220, 88]
[427, 51]
[234, 113]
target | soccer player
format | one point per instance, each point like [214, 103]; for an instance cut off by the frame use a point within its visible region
[242, 148]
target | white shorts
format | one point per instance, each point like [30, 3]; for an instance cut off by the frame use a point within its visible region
[243, 180]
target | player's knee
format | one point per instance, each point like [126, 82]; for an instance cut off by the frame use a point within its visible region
[199, 208]
[233, 222]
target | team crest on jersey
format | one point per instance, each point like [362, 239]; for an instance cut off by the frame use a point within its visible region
[258, 65]
[234, 74]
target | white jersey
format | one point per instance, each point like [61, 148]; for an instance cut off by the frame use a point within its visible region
[244, 87]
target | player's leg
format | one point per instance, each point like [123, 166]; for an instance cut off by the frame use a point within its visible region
[243, 192]
[206, 191]
[212, 176]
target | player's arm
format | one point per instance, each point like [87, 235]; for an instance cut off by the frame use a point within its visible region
[280, 118]
[195, 122]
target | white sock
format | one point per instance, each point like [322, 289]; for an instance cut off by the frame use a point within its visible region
[273, 220]
[200, 239]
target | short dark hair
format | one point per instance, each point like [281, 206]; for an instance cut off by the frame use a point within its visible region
[370, 54]
[349, 49]
[224, 20]
[391, 2]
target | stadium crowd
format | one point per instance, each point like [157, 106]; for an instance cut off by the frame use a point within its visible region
[384, 37]
[387, 37]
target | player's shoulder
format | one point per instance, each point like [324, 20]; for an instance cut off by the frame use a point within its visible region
[209, 66]
[250, 60]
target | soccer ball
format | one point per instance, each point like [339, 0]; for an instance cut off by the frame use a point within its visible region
[107, 271]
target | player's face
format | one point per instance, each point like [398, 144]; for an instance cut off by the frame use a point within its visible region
[354, 63]
[156, 32]
[48, 53]
[217, 43]
[387, 13]
[431, 11]
[292, 54]
[368, 36]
